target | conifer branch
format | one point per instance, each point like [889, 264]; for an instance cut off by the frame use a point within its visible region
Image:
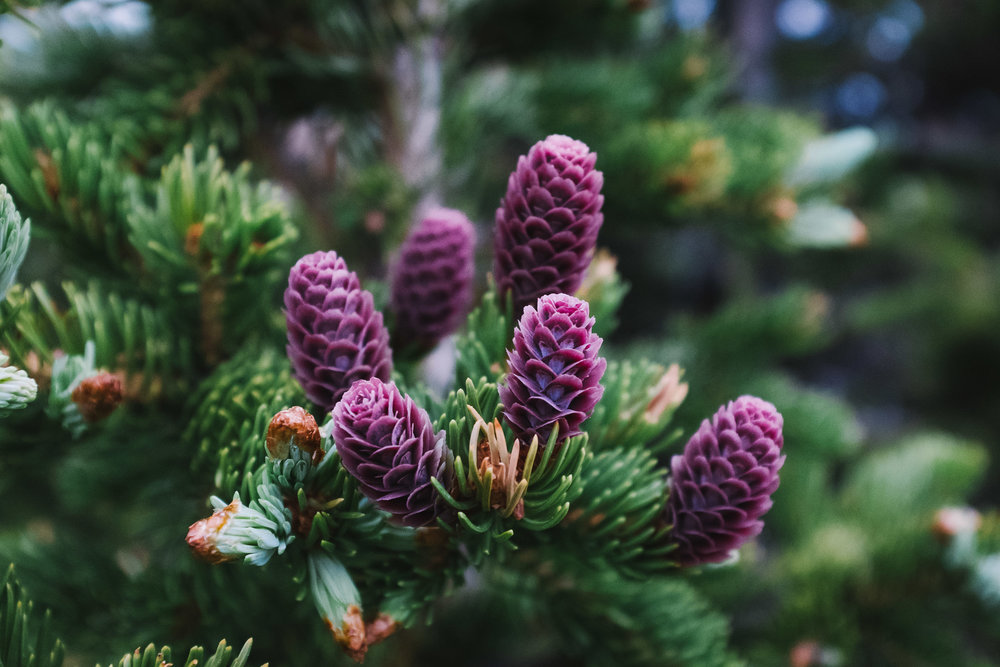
[129, 336]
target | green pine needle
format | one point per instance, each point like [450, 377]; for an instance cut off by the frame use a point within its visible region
[153, 657]
[25, 639]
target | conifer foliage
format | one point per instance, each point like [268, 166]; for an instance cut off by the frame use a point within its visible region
[506, 468]
[432, 278]
[547, 223]
[353, 510]
[223, 411]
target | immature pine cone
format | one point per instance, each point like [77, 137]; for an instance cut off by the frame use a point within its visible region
[432, 277]
[723, 482]
[547, 223]
[389, 445]
[97, 396]
[555, 372]
[335, 335]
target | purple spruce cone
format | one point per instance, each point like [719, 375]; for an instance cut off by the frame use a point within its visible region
[555, 372]
[389, 445]
[547, 223]
[432, 277]
[723, 482]
[335, 335]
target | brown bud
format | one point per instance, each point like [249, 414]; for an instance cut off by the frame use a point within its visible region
[97, 397]
[351, 633]
[294, 426]
[50, 173]
[203, 535]
[383, 626]
[192, 239]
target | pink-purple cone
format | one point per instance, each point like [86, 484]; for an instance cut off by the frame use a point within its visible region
[389, 445]
[555, 372]
[547, 223]
[432, 278]
[335, 335]
[722, 484]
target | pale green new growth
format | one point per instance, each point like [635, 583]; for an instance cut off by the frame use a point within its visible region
[16, 388]
[68, 371]
[14, 235]
[256, 531]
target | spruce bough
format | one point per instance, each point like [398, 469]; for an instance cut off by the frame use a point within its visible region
[499, 466]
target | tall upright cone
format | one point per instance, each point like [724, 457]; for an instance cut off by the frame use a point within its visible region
[389, 445]
[722, 484]
[547, 223]
[555, 370]
[432, 278]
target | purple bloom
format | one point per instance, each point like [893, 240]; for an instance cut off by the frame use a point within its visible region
[389, 445]
[555, 372]
[335, 335]
[723, 482]
[432, 277]
[547, 223]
